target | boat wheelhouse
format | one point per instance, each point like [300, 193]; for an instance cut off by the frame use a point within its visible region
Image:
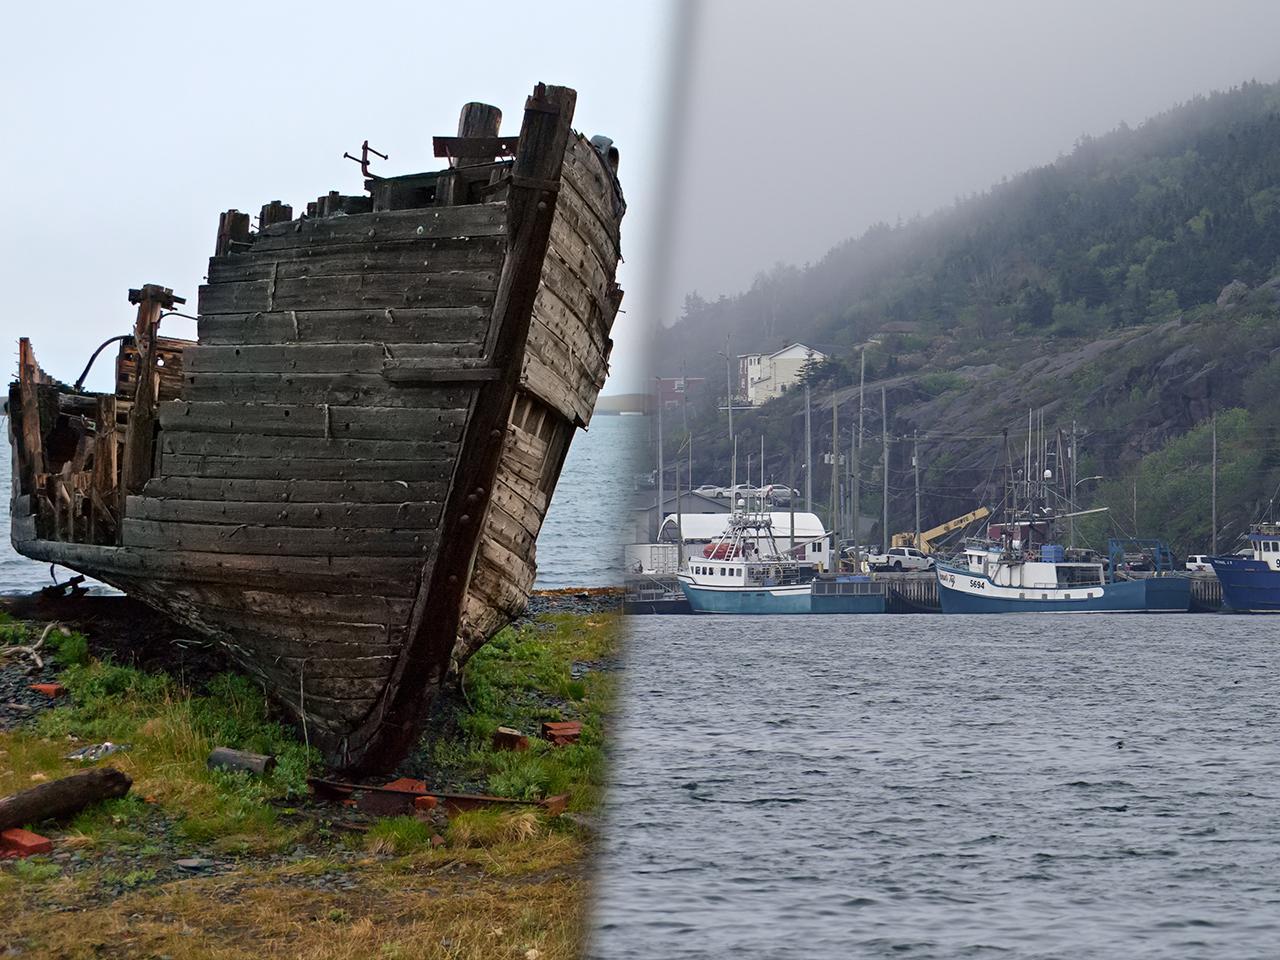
[1251, 584]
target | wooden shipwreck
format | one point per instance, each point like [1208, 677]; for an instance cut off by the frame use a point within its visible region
[342, 480]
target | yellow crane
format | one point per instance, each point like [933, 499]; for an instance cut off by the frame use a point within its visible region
[908, 539]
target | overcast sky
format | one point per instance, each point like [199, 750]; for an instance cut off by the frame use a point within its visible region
[806, 122]
[129, 126]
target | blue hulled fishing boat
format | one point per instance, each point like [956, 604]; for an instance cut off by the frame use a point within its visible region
[1252, 584]
[745, 572]
[1016, 570]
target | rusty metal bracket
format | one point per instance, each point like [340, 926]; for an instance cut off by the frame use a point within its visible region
[363, 159]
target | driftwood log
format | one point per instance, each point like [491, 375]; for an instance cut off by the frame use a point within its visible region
[61, 798]
[224, 758]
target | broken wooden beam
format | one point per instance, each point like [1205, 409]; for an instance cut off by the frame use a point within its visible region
[61, 798]
[225, 758]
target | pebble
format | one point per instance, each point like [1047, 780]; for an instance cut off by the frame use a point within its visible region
[193, 863]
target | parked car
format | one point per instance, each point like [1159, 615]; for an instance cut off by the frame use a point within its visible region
[740, 490]
[709, 490]
[779, 495]
[1199, 563]
[900, 558]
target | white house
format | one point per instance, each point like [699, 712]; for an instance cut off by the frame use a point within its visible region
[762, 377]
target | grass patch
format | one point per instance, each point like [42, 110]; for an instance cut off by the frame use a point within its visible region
[171, 731]
[523, 677]
[399, 835]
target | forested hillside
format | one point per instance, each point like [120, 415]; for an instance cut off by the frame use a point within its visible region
[1132, 287]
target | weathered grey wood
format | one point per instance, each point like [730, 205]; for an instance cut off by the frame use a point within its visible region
[320, 357]
[60, 798]
[289, 490]
[406, 515]
[435, 257]
[476, 148]
[311, 448]
[474, 220]
[443, 325]
[277, 540]
[353, 292]
[314, 420]
[225, 758]
[295, 608]
[332, 388]
[142, 570]
[259, 468]
[430, 371]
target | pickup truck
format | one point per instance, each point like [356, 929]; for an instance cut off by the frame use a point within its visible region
[900, 558]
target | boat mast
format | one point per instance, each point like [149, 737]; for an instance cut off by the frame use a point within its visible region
[808, 454]
[662, 505]
[1213, 496]
[915, 464]
[835, 465]
[857, 450]
[884, 433]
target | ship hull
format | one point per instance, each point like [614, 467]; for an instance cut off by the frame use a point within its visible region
[1248, 586]
[346, 490]
[752, 601]
[962, 591]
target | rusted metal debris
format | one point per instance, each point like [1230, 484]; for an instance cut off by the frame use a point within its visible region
[404, 796]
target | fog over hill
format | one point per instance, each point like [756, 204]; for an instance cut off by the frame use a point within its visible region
[1132, 286]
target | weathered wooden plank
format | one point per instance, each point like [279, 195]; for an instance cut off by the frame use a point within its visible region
[353, 292]
[585, 174]
[290, 490]
[261, 468]
[406, 256]
[277, 541]
[431, 371]
[325, 357]
[471, 148]
[586, 222]
[338, 389]
[472, 220]
[295, 606]
[314, 420]
[406, 516]
[546, 383]
[309, 448]
[443, 325]
[392, 576]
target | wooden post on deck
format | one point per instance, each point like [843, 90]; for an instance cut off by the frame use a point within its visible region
[139, 436]
[475, 120]
[33, 462]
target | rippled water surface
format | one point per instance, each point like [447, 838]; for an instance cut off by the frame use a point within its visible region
[1028, 786]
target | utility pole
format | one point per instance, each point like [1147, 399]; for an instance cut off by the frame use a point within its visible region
[835, 465]
[1214, 490]
[662, 505]
[1135, 506]
[1071, 501]
[884, 431]
[808, 455]
[728, 383]
[791, 501]
[915, 464]
[857, 452]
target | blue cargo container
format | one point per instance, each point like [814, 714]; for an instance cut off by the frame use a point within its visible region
[1051, 553]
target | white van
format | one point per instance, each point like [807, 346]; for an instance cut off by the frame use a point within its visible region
[1199, 563]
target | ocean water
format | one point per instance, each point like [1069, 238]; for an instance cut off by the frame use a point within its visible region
[589, 520]
[938, 787]
[581, 540]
